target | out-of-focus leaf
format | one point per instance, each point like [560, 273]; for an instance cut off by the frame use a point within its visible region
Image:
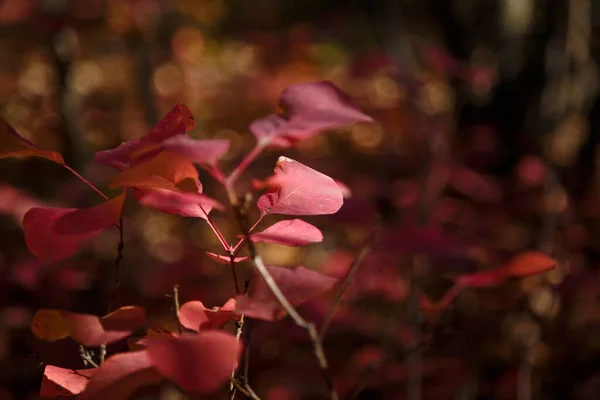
[53, 234]
[297, 284]
[14, 145]
[202, 152]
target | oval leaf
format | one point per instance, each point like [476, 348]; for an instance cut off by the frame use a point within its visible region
[200, 363]
[296, 189]
[529, 263]
[293, 232]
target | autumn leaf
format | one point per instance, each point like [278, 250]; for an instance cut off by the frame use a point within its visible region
[176, 122]
[296, 189]
[87, 329]
[528, 263]
[195, 316]
[293, 232]
[53, 234]
[201, 152]
[307, 109]
[59, 382]
[120, 376]
[14, 145]
[213, 355]
[297, 284]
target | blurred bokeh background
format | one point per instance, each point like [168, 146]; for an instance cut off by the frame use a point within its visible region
[493, 103]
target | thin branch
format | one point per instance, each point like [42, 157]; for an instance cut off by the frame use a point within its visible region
[364, 251]
[102, 352]
[120, 247]
[176, 303]
[216, 231]
[85, 181]
[238, 246]
[239, 170]
[287, 306]
[86, 357]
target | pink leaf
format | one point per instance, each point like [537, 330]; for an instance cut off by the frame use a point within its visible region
[184, 204]
[58, 382]
[293, 232]
[297, 284]
[176, 122]
[203, 152]
[53, 234]
[222, 259]
[120, 376]
[194, 316]
[308, 108]
[200, 363]
[296, 189]
[124, 318]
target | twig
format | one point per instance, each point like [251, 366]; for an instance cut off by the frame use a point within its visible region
[120, 247]
[176, 302]
[366, 248]
[86, 357]
[239, 170]
[102, 352]
[238, 334]
[287, 306]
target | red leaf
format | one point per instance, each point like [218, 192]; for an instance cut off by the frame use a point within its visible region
[199, 363]
[163, 171]
[297, 284]
[14, 145]
[120, 376]
[182, 203]
[63, 381]
[296, 189]
[222, 259]
[16, 203]
[86, 329]
[124, 318]
[308, 109]
[53, 234]
[204, 152]
[489, 278]
[528, 263]
[294, 232]
[176, 122]
[194, 316]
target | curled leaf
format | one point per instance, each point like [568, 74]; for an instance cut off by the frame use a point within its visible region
[163, 171]
[296, 189]
[297, 284]
[120, 376]
[176, 122]
[199, 363]
[14, 145]
[194, 316]
[293, 232]
[53, 234]
[87, 329]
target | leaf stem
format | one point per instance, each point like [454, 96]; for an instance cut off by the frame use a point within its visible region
[118, 260]
[176, 303]
[239, 170]
[81, 178]
[216, 230]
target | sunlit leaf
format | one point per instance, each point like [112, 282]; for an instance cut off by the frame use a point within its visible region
[293, 232]
[59, 382]
[202, 152]
[296, 189]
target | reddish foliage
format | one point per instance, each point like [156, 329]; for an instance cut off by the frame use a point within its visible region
[293, 232]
